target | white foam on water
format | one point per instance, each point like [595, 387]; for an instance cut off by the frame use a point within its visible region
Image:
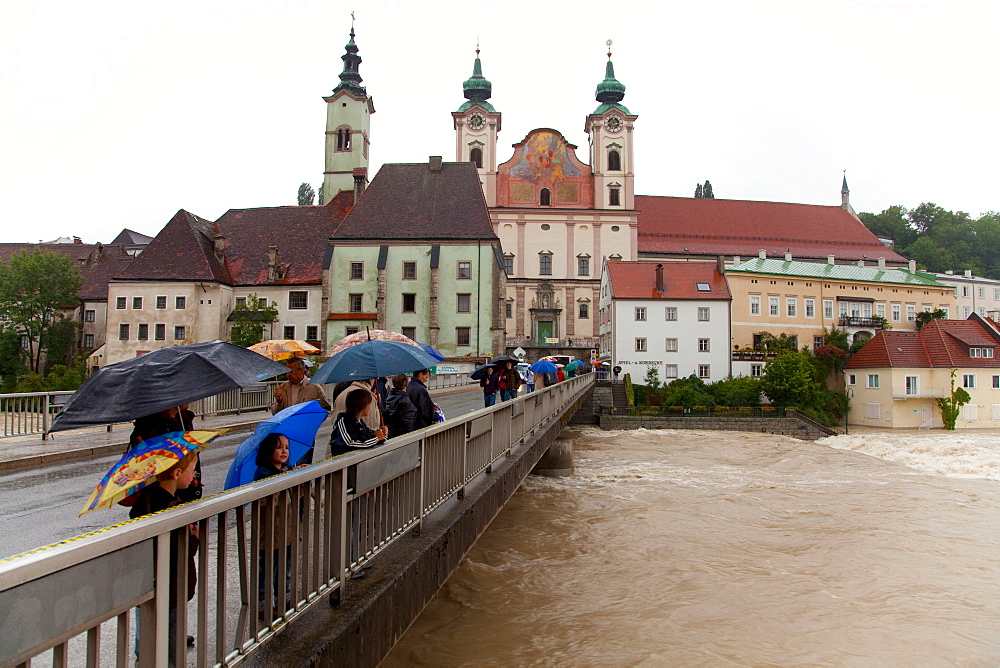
[955, 454]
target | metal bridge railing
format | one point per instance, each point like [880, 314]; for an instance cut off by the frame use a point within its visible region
[26, 414]
[289, 541]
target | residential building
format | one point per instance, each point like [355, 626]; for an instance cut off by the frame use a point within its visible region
[896, 379]
[804, 299]
[418, 255]
[672, 316]
[973, 294]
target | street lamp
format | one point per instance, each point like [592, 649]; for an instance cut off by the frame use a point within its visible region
[847, 414]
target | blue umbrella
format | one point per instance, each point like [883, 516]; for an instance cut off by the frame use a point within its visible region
[543, 366]
[433, 352]
[373, 359]
[299, 423]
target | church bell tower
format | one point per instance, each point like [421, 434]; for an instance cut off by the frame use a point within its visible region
[348, 127]
[477, 124]
[609, 129]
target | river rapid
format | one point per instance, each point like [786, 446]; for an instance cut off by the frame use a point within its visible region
[670, 548]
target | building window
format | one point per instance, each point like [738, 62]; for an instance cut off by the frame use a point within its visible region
[671, 371]
[355, 303]
[810, 308]
[88, 341]
[343, 139]
[827, 308]
[880, 310]
[852, 379]
[179, 333]
[298, 300]
[817, 342]
[614, 196]
[982, 293]
[614, 161]
[161, 301]
[640, 344]
[464, 302]
[671, 345]
[409, 271]
[122, 332]
[640, 312]
[913, 385]
[409, 303]
[89, 315]
[704, 313]
[508, 309]
[791, 307]
[160, 332]
[241, 301]
[756, 370]
[969, 380]
[772, 306]
[584, 311]
[142, 333]
[793, 340]
[463, 336]
[703, 345]
[312, 333]
[476, 157]
[895, 312]
[508, 264]
[873, 411]
[996, 382]
[26, 340]
[545, 264]
[872, 381]
[704, 370]
[357, 271]
[351, 330]
[671, 313]
[545, 197]
[289, 331]
[120, 303]
[754, 304]
[180, 303]
[136, 303]
[464, 270]
[583, 266]
[911, 313]
[410, 333]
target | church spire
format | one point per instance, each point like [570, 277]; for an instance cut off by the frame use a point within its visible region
[350, 79]
[477, 88]
[610, 92]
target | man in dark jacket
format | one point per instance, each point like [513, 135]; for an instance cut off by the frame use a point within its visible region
[400, 413]
[421, 398]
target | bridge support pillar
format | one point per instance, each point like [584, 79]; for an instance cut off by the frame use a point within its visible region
[557, 462]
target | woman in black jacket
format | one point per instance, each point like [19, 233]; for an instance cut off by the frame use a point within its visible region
[349, 432]
[400, 413]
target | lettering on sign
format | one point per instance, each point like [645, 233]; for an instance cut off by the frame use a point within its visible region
[619, 362]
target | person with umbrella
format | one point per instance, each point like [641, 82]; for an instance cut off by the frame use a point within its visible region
[490, 382]
[373, 418]
[400, 413]
[421, 398]
[510, 380]
[297, 389]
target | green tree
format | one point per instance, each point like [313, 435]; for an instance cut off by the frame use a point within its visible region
[838, 338]
[250, 320]
[707, 191]
[698, 192]
[61, 344]
[772, 343]
[306, 194]
[789, 381]
[738, 391]
[653, 377]
[688, 392]
[11, 360]
[925, 317]
[319, 195]
[35, 288]
[891, 223]
[951, 405]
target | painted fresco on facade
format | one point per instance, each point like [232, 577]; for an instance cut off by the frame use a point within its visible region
[545, 158]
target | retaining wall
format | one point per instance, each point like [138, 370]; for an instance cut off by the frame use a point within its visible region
[784, 426]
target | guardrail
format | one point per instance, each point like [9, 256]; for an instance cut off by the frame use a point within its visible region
[303, 532]
[26, 414]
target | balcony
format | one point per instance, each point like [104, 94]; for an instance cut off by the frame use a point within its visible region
[920, 393]
[861, 321]
[753, 355]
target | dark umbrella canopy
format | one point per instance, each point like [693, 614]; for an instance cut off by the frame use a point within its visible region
[373, 359]
[162, 379]
[480, 371]
[500, 359]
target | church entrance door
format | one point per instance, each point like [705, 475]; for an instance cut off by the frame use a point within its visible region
[544, 330]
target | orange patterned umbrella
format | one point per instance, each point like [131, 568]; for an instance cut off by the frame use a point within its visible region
[369, 335]
[282, 349]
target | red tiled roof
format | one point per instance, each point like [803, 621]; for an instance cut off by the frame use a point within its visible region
[637, 280]
[409, 201]
[697, 226]
[936, 345]
[182, 251]
[96, 263]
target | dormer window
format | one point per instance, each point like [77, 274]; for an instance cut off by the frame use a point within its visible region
[545, 197]
[981, 352]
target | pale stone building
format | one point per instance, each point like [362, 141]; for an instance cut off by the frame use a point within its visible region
[973, 294]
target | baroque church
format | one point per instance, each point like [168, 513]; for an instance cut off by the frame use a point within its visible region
[559, 217]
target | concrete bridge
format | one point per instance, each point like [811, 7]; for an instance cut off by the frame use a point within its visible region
[403, 515]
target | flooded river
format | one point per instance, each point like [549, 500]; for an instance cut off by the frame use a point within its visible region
[731, 549]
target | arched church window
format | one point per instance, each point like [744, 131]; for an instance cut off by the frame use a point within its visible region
[614, 160]
[344, 139]
[476, 156]
[614, 196]
[545, 197]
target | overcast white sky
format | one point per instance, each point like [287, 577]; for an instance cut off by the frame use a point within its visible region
[117, 114]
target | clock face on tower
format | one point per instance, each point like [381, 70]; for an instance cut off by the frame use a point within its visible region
[613, 124]
[476, 122]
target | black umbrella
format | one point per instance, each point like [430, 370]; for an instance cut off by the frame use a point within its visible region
[162, 379]
[480, 371]
[500, 359]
